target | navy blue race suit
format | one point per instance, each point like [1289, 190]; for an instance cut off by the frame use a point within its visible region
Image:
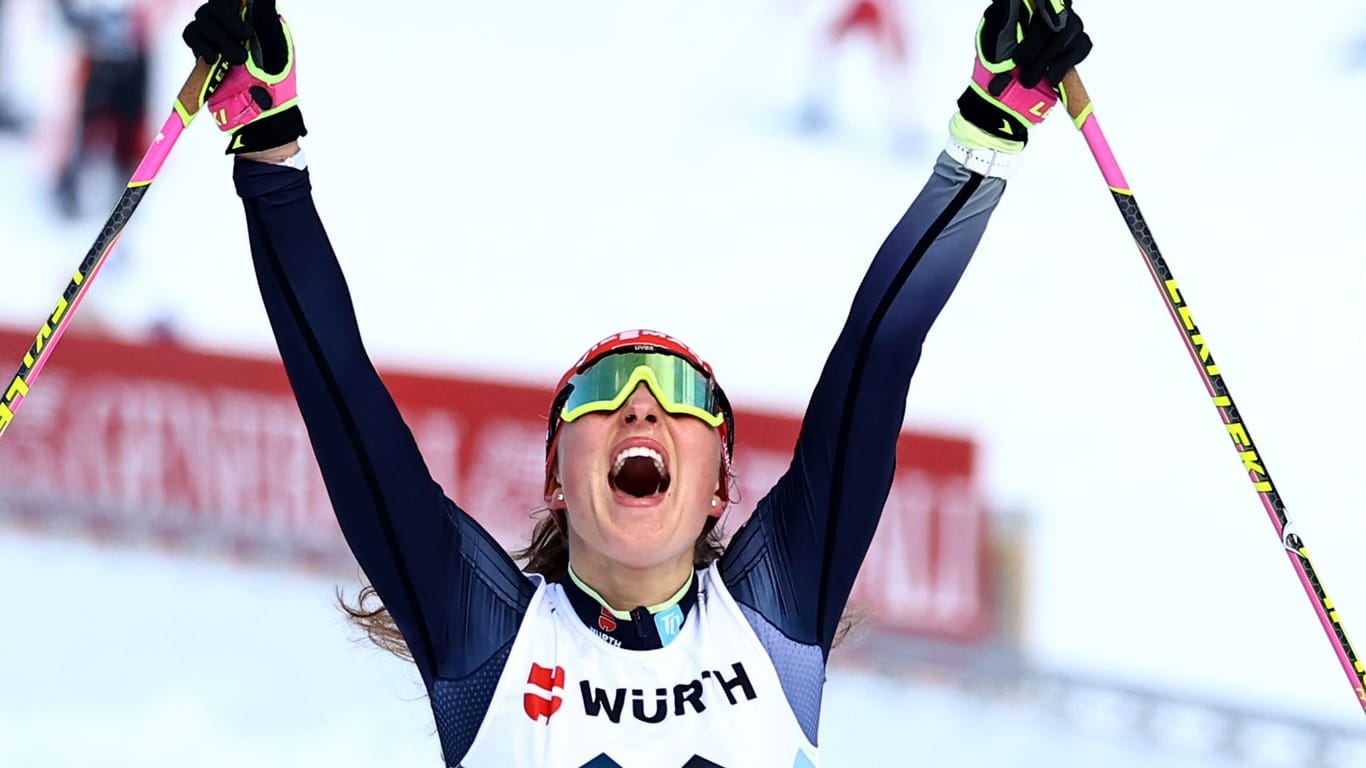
[457, 597]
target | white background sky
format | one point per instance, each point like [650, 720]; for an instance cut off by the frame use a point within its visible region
[506, 183]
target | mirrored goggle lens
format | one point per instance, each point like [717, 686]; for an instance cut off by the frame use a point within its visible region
[676, 384]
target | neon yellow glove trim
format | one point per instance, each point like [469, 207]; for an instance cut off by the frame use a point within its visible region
[997, 68]
[208, 81]
[266, 77]
[971, 136]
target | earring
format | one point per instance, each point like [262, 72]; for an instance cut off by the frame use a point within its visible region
[559, 496]
[715, 503]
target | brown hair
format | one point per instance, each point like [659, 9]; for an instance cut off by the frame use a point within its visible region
[548, 555]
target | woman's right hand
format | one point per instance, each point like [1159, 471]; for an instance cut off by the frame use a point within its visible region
[258, 102]
[1022, 56]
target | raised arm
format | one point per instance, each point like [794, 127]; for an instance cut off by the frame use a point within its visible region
[796, 559]
[416, 546]
[452, 591]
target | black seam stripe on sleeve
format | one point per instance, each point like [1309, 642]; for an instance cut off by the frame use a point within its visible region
[860, 361]
[372, 482]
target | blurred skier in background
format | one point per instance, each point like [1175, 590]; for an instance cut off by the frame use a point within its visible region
[9, 119]
[878, 24]
[112, 74]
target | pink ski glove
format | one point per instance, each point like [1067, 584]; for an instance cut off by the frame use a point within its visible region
[1022, 55]
[257, 103]
[1005, 90]
[249, 93]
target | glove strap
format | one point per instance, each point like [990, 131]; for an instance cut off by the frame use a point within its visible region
[266, 132]
[1003, 89]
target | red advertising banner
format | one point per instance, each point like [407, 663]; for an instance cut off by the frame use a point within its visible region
[162, 444]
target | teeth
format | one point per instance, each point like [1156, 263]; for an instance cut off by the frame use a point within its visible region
[639, 451]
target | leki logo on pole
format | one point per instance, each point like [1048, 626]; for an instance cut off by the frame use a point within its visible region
[1083, 116]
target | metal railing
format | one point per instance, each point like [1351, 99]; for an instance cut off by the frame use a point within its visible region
[1177, 722]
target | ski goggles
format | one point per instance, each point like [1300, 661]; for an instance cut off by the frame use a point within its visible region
[678, 386]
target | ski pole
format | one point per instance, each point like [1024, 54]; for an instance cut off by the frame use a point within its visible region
[201, 83]
[1079, 107]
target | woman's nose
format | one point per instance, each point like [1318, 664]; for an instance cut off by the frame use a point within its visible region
[641, 406]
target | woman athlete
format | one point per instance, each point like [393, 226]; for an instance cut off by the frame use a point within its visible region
[631, 638]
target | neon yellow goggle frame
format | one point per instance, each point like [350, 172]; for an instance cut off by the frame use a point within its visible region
[679, 387]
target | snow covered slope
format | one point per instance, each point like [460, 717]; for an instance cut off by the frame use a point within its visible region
[138, 660]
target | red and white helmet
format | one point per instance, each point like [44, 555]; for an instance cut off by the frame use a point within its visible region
[641, 340]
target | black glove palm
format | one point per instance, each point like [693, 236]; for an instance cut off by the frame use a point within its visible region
[1054, 42]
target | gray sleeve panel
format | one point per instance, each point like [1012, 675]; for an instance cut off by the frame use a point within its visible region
[801, 670]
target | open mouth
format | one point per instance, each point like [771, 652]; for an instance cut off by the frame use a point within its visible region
[639, 471]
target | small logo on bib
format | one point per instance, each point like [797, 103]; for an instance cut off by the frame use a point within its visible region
[606, 621]
[668, 622]
[547, 680]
